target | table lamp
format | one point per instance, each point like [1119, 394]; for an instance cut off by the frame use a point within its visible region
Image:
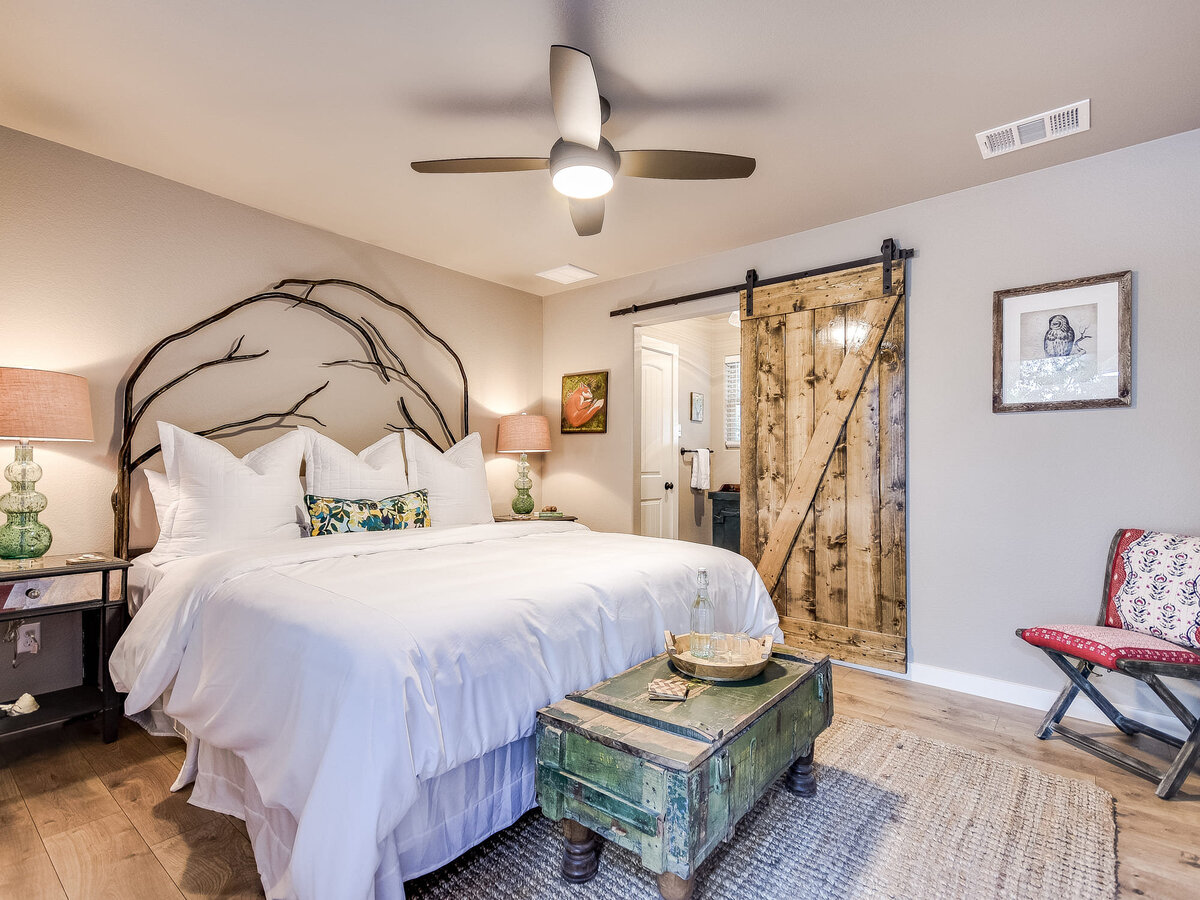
[523, 434]
[35, 406]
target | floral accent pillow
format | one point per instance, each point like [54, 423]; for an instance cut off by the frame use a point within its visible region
[1161, 593]
[331, 515]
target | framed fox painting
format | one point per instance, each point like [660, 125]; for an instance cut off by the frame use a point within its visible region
[585, 403]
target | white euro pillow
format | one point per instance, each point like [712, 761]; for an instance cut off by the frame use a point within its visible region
[330, 470]
[455, 480]
[160, 495]
[220, 502]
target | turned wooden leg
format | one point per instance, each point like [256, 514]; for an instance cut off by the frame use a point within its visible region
[672, 887]
[800, 778]
[581, 852]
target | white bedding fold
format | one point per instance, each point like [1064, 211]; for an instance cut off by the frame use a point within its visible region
[344, 669]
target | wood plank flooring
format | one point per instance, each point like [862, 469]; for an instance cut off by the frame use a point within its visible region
[83, 819]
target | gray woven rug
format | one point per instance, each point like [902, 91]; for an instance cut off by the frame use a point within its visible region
[896, 815]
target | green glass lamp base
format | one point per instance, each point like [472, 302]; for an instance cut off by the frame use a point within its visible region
[22, 536]
[26, 538]
[523, 504]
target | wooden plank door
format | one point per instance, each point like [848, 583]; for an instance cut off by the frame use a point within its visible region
[823, 460]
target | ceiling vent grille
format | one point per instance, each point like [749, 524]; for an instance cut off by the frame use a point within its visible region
[568, 274]
[1048, 126]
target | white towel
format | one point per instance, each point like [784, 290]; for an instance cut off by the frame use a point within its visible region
[700, 470]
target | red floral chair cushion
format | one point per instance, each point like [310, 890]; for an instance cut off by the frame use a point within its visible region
[1154, 586]
[1107, 646]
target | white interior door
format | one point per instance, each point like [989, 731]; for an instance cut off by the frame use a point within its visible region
[659, 466]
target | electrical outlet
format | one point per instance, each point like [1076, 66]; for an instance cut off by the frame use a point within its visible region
[29, 638]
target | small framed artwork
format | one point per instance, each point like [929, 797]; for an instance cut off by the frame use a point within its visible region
[697, 407]
[1065, 345]
[585, 403]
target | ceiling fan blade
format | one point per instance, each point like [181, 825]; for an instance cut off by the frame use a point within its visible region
[684, 164]
[576, 96]
[587, 215]
[481, 164]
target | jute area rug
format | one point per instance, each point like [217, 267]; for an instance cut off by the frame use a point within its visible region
[896, 815]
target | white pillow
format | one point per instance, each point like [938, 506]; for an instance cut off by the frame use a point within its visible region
[455, 480]
[160, 494]
[219, 502]
[330, 470]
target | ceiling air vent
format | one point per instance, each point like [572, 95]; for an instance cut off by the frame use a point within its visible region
[567, 274]
[1036, 129]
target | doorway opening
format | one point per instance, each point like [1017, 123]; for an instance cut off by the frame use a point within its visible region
[688, 398]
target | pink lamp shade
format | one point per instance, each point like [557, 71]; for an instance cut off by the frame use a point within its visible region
[36, 405]
[523, 434]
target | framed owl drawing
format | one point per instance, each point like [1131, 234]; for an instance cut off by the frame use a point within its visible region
[1066, 345]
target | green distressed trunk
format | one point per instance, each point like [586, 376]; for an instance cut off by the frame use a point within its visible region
[670, 780]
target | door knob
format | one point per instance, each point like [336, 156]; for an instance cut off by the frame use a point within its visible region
[670, 485]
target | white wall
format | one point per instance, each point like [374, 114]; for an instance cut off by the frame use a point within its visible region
[98, 261]
[1010, 515]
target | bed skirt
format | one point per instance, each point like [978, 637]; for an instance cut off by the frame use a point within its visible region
[451, 814]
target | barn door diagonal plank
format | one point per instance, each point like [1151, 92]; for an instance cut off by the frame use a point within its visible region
[830, 422]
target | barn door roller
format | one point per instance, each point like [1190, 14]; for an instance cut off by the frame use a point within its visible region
[888, 252]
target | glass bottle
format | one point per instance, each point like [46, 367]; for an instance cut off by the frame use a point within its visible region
[703, 619]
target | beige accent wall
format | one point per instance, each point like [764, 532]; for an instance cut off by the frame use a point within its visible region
[1009, 516]
[98, 261]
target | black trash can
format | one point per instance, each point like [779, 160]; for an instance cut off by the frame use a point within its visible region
[726, 519]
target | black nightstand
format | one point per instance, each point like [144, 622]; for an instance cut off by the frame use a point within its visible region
[39, 588]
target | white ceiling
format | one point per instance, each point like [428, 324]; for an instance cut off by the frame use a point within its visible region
[312, 109]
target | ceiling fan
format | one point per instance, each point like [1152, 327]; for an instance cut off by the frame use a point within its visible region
[582, 163]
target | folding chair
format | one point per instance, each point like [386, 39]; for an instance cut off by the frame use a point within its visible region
[1149, 627]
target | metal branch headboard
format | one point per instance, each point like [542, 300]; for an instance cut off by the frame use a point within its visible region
[381, 358]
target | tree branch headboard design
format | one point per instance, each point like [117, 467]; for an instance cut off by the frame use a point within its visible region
[378, 355]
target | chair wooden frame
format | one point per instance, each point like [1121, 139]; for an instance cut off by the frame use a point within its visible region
[1149, 673]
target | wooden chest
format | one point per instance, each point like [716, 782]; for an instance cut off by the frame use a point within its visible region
[669, 780]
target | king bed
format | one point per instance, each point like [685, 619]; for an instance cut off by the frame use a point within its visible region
[365, 699]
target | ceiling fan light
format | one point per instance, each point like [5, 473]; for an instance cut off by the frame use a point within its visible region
[583, 182]
[583, 173]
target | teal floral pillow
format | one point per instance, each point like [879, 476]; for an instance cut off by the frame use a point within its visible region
[330, 515]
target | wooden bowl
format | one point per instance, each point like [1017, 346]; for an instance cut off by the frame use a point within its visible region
[712, 669]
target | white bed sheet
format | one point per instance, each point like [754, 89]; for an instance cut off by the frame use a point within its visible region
[143, 577]
[343, 672]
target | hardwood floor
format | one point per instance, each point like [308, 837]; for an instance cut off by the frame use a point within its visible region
[84, 819]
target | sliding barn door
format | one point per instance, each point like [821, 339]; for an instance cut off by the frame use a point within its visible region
[823, 460]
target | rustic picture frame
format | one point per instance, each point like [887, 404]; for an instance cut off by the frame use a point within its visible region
[584, 403]
[697, 406]
[1063, 345]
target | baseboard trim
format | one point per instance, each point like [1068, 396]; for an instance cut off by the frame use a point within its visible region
[1020, 694]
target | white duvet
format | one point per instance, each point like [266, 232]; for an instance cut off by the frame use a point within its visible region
[344, 669]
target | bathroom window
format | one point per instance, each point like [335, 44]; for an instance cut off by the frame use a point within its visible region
[733, 402]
